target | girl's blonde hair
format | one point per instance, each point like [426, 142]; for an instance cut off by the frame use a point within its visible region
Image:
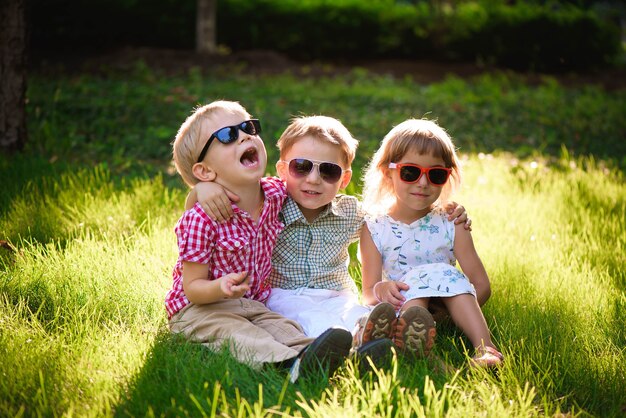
[188, 143]
[323, 128]
[418, 135]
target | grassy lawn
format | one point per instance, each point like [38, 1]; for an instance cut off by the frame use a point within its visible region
[88, 212]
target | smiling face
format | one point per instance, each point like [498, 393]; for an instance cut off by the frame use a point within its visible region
[414, 200]
[238, 163]
[311, 192]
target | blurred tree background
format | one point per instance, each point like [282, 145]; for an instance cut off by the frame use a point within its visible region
[548, 36]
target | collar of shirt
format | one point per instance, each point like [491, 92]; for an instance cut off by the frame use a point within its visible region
[291, 211]
[272, 190]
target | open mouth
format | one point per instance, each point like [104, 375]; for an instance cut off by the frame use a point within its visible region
[250, 157]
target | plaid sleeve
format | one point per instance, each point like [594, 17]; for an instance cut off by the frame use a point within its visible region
[360, 212]
[196, 234]
[276, 188]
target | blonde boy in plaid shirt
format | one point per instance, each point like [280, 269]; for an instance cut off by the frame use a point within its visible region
[220, 278]
[309, 279]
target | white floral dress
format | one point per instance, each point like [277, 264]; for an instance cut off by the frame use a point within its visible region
[420, 254]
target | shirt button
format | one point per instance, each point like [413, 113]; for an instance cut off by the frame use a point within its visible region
[237, 244]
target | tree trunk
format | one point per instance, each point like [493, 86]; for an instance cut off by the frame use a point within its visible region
[12, 75]
[205, 27]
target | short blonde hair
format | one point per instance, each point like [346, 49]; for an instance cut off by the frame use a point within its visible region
[419, 135]
[188, 143]
[323, 128]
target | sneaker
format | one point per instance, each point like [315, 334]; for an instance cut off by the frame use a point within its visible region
[415, 332]
[486, 357]
[379, 351]
[379, 323]
[326, 352]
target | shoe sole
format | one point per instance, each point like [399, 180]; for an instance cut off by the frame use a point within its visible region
[379, 351]
[380, 324]
[328, 351]
[415, 332]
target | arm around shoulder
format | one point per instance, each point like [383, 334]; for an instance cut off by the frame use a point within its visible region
[214, 199]
[470, 263]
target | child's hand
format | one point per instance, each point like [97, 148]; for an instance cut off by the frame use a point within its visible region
[389, 291]
[216, 200]
[458, 214]
[235, 285]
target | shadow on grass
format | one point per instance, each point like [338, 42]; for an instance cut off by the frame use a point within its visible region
[179, 378]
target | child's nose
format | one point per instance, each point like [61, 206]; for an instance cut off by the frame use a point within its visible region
[314, 175]
[423, 180]
[243, 137]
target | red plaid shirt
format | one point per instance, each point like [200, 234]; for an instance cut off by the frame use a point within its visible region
[237, 245]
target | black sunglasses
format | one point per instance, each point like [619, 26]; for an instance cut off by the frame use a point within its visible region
[229, 134]
[301, 167]
[411, 173]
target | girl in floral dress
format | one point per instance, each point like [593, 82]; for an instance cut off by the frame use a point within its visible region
[409, 249]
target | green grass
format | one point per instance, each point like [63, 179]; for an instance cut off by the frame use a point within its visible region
[89, 211]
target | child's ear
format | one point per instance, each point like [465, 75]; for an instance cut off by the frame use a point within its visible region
[345, 179]
[203, 172]
[282, 169]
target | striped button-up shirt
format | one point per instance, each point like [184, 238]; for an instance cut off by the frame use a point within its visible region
[241, 244]
[315, 255]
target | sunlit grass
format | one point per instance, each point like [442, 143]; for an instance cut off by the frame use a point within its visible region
[556, 257]
[88, 212]
[83, 330]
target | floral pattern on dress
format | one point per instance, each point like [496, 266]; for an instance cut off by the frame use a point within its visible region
[420, 254]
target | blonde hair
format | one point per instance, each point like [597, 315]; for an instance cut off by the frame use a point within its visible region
[188, 143]
[323, 128]
[418, 135]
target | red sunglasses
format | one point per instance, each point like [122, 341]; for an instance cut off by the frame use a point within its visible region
[411, 173]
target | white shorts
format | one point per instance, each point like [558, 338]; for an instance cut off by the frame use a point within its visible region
[316, 310]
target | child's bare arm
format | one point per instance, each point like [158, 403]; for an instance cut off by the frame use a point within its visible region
[200, 290]
[470, 263]
[214, 199]
[371, 266]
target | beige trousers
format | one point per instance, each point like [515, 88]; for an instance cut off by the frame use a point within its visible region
[254, 334]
